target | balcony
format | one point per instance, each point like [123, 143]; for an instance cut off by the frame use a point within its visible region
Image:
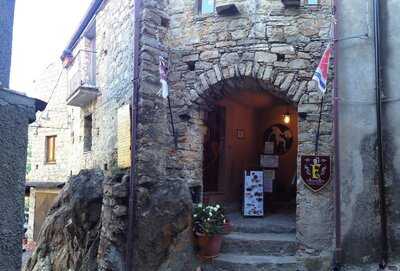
[82, 87]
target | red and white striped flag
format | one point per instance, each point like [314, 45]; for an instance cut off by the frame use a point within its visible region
[321, 74]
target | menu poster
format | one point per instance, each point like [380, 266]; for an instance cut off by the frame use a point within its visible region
[269, 177]
[269, 147]
[253, 194]
[269, 161]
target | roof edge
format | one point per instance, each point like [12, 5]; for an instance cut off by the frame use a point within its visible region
[17, 98]
[90, 13]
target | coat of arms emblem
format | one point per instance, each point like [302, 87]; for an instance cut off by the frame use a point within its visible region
[316, 171]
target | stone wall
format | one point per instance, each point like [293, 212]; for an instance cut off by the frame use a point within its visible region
[6, 29]
[54, 121]
[16, 112]
[265, 48]
[113, 77]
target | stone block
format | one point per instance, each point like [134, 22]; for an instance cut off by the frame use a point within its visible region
[308, 108]
[229, 58]
[287, 82]
[206, 55]
[268, 72]
[188, 58]
[299, 64]
[265, 57]
[239, 34]
[279, 79]
[218, 72]
[283, 49]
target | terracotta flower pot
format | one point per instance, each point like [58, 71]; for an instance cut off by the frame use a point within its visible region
[209, 245]
[228, 227]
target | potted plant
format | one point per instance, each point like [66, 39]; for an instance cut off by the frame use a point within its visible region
[208, 227]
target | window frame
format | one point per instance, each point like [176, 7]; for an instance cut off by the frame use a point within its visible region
[87, 133]
[50, 150]
[307, 3]
[199, 5]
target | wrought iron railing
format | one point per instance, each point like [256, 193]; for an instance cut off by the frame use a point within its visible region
[82, 72]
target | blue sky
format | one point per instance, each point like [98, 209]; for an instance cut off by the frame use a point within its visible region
[42, 29]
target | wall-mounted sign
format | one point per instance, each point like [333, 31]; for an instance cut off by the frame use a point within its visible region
[253, 193]
[316, 171]
[281, 136]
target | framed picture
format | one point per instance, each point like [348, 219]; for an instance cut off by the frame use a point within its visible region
[240, 134]
[281, 136]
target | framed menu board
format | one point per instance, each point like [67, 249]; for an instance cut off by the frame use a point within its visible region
[253, 193]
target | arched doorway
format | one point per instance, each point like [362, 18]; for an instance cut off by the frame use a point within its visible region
[251, 129]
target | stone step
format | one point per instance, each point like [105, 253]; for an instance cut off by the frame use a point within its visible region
[239, 262]
[275, 223]
[274, 244]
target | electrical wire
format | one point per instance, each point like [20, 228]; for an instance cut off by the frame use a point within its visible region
[52, 92]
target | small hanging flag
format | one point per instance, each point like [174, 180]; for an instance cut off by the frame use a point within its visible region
[321, 74]
[163, 66]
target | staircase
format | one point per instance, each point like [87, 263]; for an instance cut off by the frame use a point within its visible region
[258, 244]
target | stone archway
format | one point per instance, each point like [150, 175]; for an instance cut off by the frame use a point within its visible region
[218, 82]
[293, 85]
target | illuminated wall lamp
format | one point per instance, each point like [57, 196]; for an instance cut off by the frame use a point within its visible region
[286, 118]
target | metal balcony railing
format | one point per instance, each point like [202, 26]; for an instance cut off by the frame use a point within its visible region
[82, 79]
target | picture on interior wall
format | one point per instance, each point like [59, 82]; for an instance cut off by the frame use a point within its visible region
[240, 134]
[281, 136]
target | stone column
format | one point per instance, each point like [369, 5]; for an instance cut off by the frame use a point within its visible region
[16, 112]
[163, 240]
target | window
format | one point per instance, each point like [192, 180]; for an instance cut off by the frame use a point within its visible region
[206, 6]
[312, 2]
[87, 137]
[51, 149]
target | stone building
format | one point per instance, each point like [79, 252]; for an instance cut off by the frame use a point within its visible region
[240, 74]
[17, 111]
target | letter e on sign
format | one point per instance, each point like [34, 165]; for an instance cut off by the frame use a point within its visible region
[315, 171]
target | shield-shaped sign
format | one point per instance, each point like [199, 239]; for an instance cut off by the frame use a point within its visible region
[316, 171]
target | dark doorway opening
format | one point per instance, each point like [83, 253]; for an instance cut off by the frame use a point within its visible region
[214, 141]
[243, 128]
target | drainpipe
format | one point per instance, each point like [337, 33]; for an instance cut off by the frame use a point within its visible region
[381, 173]
[132, 205]
[338, 215]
